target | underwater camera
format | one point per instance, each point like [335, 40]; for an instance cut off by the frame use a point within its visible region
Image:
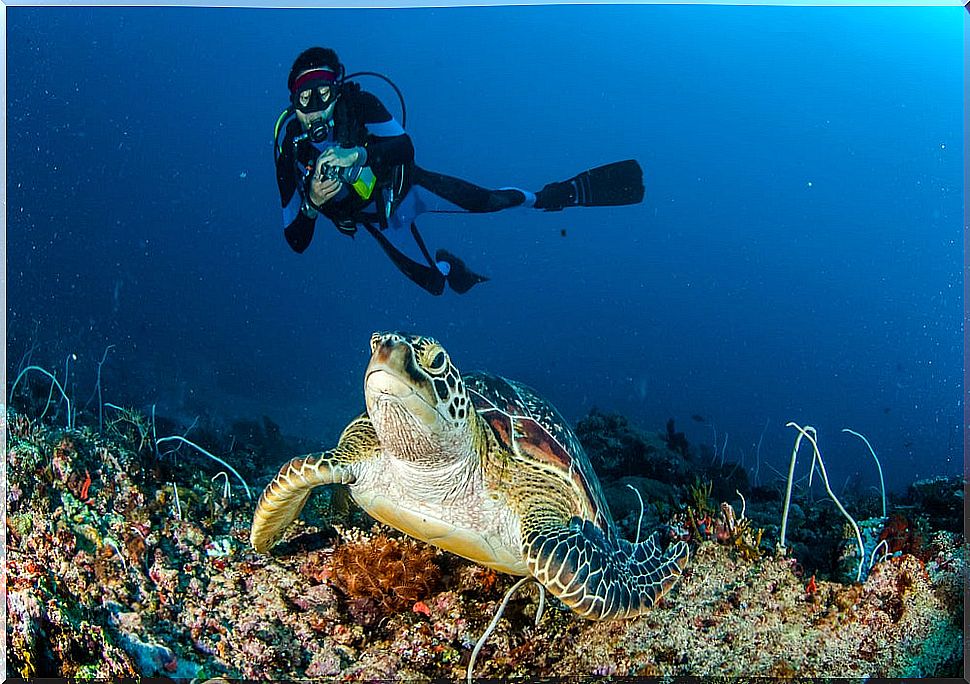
[360, 178]
[330, 172]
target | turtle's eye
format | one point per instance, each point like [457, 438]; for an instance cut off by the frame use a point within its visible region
[438, 362]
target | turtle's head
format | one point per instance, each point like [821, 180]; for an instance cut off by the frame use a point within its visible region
[416, 399]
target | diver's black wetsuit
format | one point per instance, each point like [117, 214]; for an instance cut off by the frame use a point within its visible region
[403, 190]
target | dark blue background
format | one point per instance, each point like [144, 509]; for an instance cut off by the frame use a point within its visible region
[798, 255]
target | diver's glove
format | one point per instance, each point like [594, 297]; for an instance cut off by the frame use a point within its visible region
[318, 189]
[343, 157]
[460, 278]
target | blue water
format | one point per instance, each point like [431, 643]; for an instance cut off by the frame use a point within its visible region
[798, 255]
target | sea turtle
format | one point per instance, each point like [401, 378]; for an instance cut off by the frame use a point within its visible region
[480, 466]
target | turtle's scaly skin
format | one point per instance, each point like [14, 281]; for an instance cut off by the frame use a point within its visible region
[483, 467]
[284, 498]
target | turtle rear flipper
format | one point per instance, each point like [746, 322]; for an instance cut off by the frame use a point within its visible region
[284, 497]
[599, 578]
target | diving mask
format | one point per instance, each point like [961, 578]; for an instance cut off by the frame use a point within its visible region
[314, 90]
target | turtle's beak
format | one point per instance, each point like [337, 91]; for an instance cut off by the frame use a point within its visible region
[382, 386]
[392, 379]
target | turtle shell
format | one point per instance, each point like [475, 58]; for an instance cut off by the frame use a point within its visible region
[532, 428]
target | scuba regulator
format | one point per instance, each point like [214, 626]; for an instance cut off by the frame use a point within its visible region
[319, 130]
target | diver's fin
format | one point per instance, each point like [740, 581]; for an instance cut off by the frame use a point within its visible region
[610, 185]
[460, 278]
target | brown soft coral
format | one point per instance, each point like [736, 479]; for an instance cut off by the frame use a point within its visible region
[902, 536]
[383, 575]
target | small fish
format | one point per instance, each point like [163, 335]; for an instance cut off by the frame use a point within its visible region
[698, 418]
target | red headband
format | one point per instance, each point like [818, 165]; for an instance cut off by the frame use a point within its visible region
[314, 75]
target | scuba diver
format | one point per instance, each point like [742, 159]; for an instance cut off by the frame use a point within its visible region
[340, 154]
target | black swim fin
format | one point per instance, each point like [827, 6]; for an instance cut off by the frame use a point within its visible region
[614, 184]
[460, 278]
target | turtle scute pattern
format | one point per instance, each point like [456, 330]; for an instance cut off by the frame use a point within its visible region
[585, 562]
[531, 427]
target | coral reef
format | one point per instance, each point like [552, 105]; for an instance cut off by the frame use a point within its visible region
[942, 498]
[125, 563]
[731, 617]
[616, 448]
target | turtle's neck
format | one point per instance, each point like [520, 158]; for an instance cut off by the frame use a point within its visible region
[436, 469]
[407, 441]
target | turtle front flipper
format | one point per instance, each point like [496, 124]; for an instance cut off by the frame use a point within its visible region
[284, 497]
[602, 578]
